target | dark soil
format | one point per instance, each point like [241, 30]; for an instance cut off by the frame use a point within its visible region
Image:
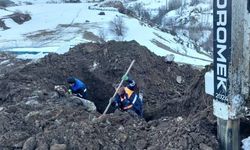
[20, 18]
[177, 115]
[3, 25]
[6, 3]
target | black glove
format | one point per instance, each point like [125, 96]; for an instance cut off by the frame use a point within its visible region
[113, 103]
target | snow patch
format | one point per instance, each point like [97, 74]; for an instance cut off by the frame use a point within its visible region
[246, 143]
[57, 31]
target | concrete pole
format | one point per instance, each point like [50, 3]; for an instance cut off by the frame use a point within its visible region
[232, 66]
[228, 134]
[240, 53]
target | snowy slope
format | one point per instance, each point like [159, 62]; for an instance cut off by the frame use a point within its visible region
[4, 12]
[24, 2]
[57, 27]
[201, 11]
[186, 18]
[149, 4]
[200, 14]
[246, 144]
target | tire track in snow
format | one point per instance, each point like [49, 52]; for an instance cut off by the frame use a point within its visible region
[63, 30]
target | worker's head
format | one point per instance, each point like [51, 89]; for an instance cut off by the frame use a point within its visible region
[71, 80]
[121, 90]
[132, 85]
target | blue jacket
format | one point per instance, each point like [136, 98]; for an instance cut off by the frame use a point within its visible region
[129, 100]
[79, 88]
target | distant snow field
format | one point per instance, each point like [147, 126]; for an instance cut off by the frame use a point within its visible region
[57, 27]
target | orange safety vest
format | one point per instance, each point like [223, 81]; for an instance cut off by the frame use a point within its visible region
[129, 93]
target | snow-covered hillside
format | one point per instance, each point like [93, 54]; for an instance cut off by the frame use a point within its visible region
[55, 27]
[186, 18]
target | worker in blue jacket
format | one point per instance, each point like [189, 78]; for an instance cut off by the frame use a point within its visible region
[77, 87]
[126, 99]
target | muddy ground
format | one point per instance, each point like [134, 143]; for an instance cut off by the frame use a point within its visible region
[177, 115]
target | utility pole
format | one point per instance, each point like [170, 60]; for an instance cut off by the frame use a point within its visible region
[231, 68]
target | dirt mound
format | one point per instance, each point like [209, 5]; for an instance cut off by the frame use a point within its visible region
[178, 112]
[19, 17]
[6, 3]
[9, 63]
[115, 4]
[2, 25]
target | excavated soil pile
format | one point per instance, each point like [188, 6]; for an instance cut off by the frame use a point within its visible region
[9, 63]
[177, 112]
[19, 17]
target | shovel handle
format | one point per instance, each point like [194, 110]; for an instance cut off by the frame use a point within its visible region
[120, 84]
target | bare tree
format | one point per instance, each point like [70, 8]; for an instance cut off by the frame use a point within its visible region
[145, 15]
[174, 4]
[194, 2]
[117, 26]
[180, 11]
[161, 13]
[138, 8]
[72, 1]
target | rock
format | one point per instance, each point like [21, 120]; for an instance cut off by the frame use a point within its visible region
[37, 123]
[87, 105]
[58, 147]
[30, 144]
[101, 13]
[122, 137]
[194, 135]
[141, 144]
[169, 58]
[31, 114]
[1, 108]
[15, 138]
[179, 119]
[33, 103]
[75, 101]
[54, 141]
[39, 94]
[205, 147]
[184, 143]
[42, 147]
[121, 128]
[153, 147]
[33, 98]
[53, 95]
[59, 122]
[19, 144]
[179, 79]
[41, 144]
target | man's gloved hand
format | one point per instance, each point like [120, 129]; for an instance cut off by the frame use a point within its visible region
[70, 91]
[125, 77]
[114, 104]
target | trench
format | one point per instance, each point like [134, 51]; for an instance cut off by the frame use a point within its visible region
[160, 99]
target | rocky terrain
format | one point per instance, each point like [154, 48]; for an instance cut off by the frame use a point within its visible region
[177, 112]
